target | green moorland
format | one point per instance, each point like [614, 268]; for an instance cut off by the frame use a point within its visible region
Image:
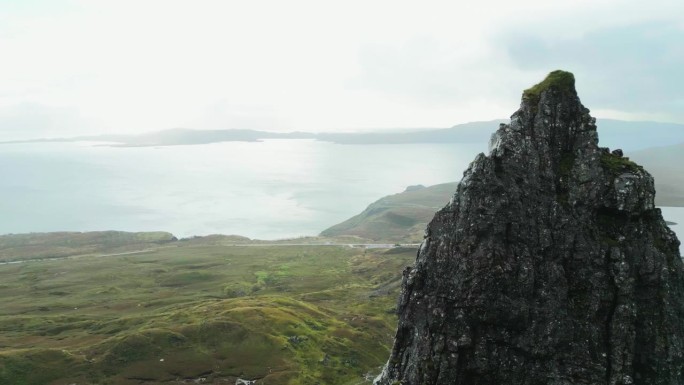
[396, 218]
[64, 244]
[201, 311]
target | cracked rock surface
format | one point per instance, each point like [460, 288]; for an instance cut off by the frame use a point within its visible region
[551, 265]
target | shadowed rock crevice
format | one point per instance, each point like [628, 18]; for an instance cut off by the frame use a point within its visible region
[551, 265]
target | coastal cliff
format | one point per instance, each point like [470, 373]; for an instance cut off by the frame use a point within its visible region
[551, 265]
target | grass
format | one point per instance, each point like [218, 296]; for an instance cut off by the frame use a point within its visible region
[283, 314]
[618, 164]
[560, 80]
[58, 245]
[396, 218]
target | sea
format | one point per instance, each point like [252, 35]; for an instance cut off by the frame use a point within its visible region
[271, 189]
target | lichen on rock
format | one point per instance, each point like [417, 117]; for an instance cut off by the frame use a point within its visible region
[551, 265]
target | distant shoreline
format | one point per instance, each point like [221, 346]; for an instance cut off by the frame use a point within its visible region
[627, 135]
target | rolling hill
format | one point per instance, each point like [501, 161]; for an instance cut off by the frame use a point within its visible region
[396, 218]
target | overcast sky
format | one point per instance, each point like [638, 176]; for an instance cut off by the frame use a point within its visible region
[87, 67]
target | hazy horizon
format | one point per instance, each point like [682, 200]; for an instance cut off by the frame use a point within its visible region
[74, 67]
[220, 188]
[367, 130]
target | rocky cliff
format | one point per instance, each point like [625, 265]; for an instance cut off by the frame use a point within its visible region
[550, 265]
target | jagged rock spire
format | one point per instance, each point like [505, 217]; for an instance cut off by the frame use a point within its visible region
[551, 114]
[551, 265]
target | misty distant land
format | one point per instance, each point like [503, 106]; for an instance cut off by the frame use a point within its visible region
[394, 221]
[402, 217]
[627, 134]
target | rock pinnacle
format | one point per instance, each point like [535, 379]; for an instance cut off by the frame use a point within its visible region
[550, 265]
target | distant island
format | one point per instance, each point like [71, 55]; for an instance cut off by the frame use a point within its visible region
[629, 135]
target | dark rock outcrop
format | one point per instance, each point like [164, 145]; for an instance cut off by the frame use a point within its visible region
[551, 265]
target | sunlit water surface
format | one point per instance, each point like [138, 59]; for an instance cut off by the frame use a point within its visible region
[269, 190]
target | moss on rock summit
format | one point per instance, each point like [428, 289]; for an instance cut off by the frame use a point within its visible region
[562, 80]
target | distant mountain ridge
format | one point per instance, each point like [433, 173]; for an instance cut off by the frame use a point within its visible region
[633, 136]
[65, 243]
[628, 135]
[665, 164]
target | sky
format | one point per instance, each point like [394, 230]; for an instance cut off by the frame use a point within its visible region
[91, 67]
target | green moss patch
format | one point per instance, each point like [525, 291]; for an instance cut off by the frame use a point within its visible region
[561, 80]
[37, 367]
[618, 164]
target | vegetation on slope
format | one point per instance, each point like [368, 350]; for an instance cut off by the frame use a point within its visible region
[397, 218]
[62, 244]
[280, 314]
[617, 164]
[561, 80]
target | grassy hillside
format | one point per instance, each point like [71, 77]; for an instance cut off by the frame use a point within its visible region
[397, 218]
[58, 245]
[192, 310]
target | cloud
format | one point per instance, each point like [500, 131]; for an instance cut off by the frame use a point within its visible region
[226, 115]
[634, 68]
[424, 70]
[136, 66]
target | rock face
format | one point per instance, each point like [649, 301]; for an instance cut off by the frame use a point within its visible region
[550, 265]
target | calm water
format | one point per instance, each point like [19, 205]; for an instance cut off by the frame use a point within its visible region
[268, 190]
